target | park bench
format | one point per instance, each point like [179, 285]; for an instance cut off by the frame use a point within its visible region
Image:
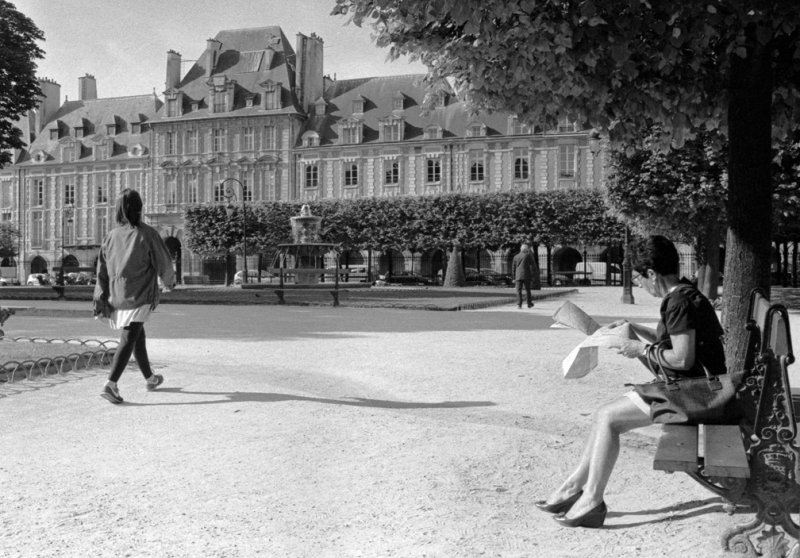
[196, 280]
[755, 463]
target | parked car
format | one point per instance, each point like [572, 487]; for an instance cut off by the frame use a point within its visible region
[488, 277]
[38, 279]
[402, 279]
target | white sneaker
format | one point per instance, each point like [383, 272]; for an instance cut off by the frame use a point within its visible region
[111, 393]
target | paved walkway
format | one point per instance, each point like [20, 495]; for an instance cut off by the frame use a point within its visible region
[334, 432]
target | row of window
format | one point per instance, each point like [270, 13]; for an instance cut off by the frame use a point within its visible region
[195, 188]
[99, 190]
[98, 224]
[61, 130]
[249, 138]
[433, 169]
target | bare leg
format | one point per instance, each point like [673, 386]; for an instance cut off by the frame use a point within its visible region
[600, 454]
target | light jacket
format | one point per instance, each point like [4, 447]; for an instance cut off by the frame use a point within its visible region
[131, 261]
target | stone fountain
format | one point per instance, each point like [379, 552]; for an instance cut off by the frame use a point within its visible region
[303, 261]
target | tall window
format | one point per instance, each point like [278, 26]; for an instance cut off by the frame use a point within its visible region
[192, 191]
[312, 176]
[247, 192]
[6, 193]
[219, 102]
[219, 193]
[434, 170]
[69, 194]
[521, 166]
[272, 98]
[102, 189]
[270, 141]
[219, 140]
[392, 174]
[169, 143]
[172, 107]
[351, 175]
[391, 130]
[101, 225]
[566, 160]
[37, 229]
[172, 190]
[69, 229]
[476, 166]
[38, 192]
[193, 139]
[247, 138]
[351, 133]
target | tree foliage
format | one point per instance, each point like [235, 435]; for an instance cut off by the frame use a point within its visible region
[683, 65]
[9, 238]
[19, 88]
[492, 221]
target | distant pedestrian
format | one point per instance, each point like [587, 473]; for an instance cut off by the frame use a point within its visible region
[524, 269]
[132, 259]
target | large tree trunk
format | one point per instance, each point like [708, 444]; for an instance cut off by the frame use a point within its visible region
[747, 255]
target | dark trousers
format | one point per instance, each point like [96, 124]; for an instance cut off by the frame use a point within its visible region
[527, 284]
[131, 341]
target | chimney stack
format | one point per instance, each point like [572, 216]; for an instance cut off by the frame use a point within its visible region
[212, 48]
[87, 88]
[173, 69]
[309, 70]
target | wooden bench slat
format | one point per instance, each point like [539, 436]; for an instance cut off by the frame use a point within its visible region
[677, 449]
[724, 451]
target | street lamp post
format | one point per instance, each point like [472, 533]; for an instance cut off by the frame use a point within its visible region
[68, 212]
[230, 195]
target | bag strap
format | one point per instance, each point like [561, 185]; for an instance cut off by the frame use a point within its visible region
[659, 349]
[649, 357]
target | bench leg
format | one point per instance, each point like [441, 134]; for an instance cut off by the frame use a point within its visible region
[279, 293]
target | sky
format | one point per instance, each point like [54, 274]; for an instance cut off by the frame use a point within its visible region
[124, 43]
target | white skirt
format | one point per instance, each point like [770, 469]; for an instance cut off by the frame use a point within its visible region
[122, 318]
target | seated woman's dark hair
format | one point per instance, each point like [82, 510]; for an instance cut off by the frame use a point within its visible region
[129, 208]
[654, 252]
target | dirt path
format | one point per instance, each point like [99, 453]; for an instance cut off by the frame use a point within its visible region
[321, 432]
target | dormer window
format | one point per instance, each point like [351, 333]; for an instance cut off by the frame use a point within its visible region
[398, 101]
[39, 157]
[441, 100]
[517, 128]
[136, 127]
[392, 129]
[433, 133]
[53, 133]
[310, 139]
[351, 132]
[136, 150]
[111, 129]
[79, 132]
[271, 97]
[320, 107]
[476, 130]
[221, 94]
[172, 107]
[248, 100]
[564, 125]
[358, 105]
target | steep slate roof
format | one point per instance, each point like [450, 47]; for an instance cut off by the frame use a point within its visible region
[244, 56]
[378, 94]
[96, 114]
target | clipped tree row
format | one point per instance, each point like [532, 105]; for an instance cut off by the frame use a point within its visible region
[490, 221]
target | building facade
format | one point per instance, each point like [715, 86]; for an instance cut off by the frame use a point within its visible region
[253, 108]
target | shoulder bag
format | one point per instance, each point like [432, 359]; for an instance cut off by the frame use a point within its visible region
[676, 399]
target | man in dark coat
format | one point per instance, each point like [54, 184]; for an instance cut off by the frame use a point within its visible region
[524, 269]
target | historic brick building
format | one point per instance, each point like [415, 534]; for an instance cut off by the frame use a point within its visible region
[253, 108]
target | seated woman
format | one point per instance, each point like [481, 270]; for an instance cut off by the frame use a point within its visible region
[689, 322]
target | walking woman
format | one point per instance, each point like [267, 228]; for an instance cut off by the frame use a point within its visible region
[693, 334]
[132, 259]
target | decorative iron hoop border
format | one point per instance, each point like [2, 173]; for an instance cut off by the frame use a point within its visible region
[102, 353]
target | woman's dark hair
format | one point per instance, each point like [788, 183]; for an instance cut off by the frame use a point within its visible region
[655, 252]
[129, 207]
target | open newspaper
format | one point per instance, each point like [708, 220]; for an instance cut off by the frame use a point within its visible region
[583, 358]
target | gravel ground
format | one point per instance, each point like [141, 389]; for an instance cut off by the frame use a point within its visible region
[293, 431]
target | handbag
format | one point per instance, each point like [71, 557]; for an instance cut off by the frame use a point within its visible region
[674, 399]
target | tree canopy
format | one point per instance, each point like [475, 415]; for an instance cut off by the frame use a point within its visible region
[9, 237]
[19, 88]
[721, 65]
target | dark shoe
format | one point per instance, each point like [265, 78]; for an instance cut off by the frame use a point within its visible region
[154, 381]
[530, 305]
[592, 519]
[111, 394]
[559, 507]
[519, 306]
